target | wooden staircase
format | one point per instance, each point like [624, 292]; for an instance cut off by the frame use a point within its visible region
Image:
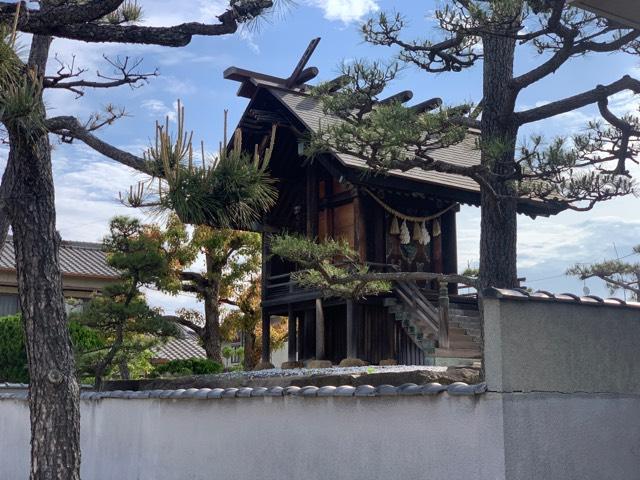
[448, 335]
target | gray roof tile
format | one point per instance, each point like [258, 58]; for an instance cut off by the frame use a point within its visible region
[180, 348]
[76, 259]
[544, 296]
[309, 111]
[455, 389]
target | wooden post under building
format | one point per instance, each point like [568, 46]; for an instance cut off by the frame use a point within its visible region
[320, 353]
[352, 351]
[293, 336]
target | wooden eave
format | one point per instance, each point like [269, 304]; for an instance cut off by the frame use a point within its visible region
[360, 177]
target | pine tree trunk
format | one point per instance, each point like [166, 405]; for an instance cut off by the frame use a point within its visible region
[250, 359]
[53, 390]
[499, 226]
[54, 398]
[211, 331]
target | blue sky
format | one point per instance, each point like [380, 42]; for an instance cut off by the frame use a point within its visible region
[87, 184]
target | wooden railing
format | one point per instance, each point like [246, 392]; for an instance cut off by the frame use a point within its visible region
[434, 316]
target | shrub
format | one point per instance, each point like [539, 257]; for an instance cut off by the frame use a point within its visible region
[191, 366]
[13, 354]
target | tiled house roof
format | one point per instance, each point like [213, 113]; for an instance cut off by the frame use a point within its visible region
[179, 348]
[76, 259]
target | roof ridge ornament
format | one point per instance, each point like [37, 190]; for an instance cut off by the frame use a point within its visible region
[297, 77]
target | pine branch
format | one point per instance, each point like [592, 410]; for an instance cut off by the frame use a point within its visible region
[71, 128]
[577, 101]
[62, 13]
[74, 22]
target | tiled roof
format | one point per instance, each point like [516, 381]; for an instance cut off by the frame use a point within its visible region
[309, 111]
[180, 348]
[76, 258]
[408, 389]
[541, 295]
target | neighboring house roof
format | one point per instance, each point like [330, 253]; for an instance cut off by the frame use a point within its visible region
[188, 346]
[76, 259]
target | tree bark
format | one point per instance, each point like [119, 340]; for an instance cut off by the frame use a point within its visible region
[54, 395]
[250, 360]
[54, 398]
[499, 227]
[211, 331]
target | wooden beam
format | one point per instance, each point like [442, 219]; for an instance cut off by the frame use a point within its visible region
[306, 75]
[293, 336]
[312, 200]
[450, 247]
[401, 97]
[337, 83]
[320, 351]
[352, 350]
[291, 81]
[427, 105]
[266, 337]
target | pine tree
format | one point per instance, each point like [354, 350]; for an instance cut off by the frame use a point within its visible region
[27, 190]
[120, 314]
[575, 173]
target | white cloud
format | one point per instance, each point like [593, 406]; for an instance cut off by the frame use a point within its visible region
[346, 11]
[159, 109]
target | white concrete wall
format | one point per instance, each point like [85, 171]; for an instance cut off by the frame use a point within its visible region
[440, 438]
[541, 436]
[552, 346]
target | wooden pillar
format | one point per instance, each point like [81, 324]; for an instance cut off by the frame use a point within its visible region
[309, 335]
[312, 201]
[437, 260]
[300, 338]
[266, 337]
[352, 350]
[293, 336]
[320, 353]
[359, 223]
[450, 246]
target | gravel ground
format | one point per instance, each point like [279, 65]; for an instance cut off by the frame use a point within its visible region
[296, 372]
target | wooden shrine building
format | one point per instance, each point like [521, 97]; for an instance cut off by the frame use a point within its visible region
[406, 219]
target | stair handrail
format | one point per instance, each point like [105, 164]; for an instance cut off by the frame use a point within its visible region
[443, 310]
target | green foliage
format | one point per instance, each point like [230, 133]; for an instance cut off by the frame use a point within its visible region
[127, 325]
[129, 11]
[229, 352]
[13, 355]
[233, 190]
[573, 168]
[19, 94]
[385, 135]
[618, 275]
[191, 366]
[327, 266]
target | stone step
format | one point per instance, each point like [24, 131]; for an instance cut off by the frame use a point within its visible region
[456, 337]
[472, 332]
[457, 344]
[452, 353]
[464, 312]
[467, 328]
[464, 318]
